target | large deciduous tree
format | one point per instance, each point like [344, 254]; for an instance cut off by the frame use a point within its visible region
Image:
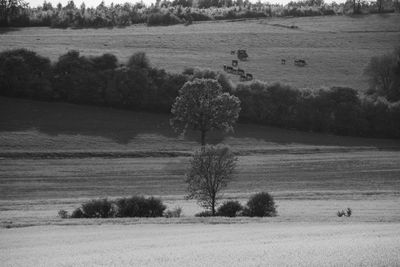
[202, 106]
[210, 171]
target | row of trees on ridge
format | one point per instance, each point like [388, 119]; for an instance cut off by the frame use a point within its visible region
[18, 13]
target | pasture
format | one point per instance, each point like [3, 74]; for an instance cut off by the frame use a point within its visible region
[56, 156]
[336, 48]
[254, 244]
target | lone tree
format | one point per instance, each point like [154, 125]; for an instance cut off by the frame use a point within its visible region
[201, 105]
[211, 169]
[384, 75]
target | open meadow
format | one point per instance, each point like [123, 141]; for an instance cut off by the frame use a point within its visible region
[336, 48]
[57, 156]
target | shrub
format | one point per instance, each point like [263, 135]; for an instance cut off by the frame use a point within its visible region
[98, 208]
[63, 214]
[175, 213]
[155, 19]
[229, 209]
[140, 207]
[77, 213]
[140, 60]
[205, 213]
[348, 212]
[260, 205]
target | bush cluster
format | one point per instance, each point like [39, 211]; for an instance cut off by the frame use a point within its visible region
[259, 205]
[124, 207]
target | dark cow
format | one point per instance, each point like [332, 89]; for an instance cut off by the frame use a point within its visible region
[233, 52]
[242, 54]
[240, 72]
[249, 76]
[283, 61]
[299, 62]
[229, 69]
[234, 63]
[243, 78]
[225, 67]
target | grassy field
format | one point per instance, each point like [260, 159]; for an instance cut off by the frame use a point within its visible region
[336, 48]
[56, 156]
[283, 244]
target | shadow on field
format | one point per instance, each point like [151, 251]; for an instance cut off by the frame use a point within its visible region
[123, 126]
[8, 29]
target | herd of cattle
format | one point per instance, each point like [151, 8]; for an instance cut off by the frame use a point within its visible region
[242, 56]
[234, 69]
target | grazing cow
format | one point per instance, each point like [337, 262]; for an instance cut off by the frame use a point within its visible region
[299, 62]
[242, 54]
[233, 52]
[243, 78]
[283, 61]
[249, 76]
[229, 69]
[234, 71]
[240, 72]
[234, 63]
[225, 67]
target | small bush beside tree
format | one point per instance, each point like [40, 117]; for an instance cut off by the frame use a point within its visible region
[229, 209]
[260, 205]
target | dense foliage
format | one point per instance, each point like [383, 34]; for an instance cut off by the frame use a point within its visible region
[123, 207]
[229, 209]
[16, 13]
[89, 80]
[103, 81]
[260, 205]
[202, 106]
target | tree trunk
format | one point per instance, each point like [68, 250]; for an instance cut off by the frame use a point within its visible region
[213, 207]
[203, 138]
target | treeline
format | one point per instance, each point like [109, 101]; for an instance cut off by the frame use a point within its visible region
[136, 85]
[98, 80]
[173, 12]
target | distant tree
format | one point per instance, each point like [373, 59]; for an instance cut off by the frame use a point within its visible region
[202, 106]
[384, 75]
[210, 171]
[139, 60]
[9, 8]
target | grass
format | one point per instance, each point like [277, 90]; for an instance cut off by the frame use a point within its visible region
[336, 48]
[56, 156]
[252, 244]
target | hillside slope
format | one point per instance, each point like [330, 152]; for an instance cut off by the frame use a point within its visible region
[34, 126]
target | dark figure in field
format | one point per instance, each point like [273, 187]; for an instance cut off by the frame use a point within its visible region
[240, 72]
[249, 76]
[242, 54]
[283, 61]
[234, 63]
[299, 62]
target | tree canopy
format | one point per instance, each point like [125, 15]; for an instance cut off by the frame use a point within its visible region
[202, 106]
